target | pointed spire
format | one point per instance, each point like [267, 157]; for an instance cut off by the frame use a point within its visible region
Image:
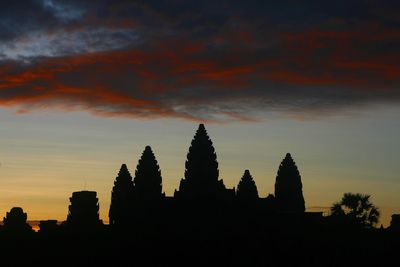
[201, 127]
[288, 187]
[124, 167]
[124, 175]
[121, 196]
[148, 180]
[124, 179]
[201, 160]
[201, 168]
[247, 189]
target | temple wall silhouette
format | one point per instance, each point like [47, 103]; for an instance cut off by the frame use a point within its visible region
[201, 187]
[202, 201]
[203, 223]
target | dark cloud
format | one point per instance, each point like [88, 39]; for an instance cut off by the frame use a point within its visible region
[199, 60]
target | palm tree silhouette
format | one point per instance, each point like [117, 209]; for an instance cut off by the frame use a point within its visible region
[356, 209]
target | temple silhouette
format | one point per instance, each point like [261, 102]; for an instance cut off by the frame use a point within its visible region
[201, 194]
[203, 223]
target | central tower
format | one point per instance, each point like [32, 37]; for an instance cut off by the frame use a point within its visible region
[201, 171]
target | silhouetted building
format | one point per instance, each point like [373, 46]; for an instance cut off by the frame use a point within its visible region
[201, 171]
[48, 226]
[268, 203]
[247, 189]
[83, 210]
[121, 197]
[16, 221]
[147, 184]
[395, 223]
[288, 187]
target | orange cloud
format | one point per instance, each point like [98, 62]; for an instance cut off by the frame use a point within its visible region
[178, 78]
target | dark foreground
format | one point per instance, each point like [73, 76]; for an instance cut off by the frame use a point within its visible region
[245, 242]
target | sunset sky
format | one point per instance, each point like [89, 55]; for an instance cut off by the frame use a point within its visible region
[86, 85]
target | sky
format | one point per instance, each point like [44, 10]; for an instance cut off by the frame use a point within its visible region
[86, 85]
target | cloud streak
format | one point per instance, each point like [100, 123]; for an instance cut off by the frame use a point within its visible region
[225, 63]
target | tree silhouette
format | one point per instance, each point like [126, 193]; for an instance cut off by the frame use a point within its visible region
[121, 197]
[288, 187]
[201, 169]
[247, 189]
[356, 209]
[147, 184]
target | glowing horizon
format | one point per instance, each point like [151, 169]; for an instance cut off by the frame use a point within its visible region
[42, 176]
[85, 86]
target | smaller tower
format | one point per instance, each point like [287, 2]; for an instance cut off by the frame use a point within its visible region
[288, 187]
[247, 189]
[147, 184]
[84, 209]
[121, 197]
[16, 221]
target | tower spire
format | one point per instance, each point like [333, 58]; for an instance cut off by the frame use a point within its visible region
[288, 187]
[201, 169]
